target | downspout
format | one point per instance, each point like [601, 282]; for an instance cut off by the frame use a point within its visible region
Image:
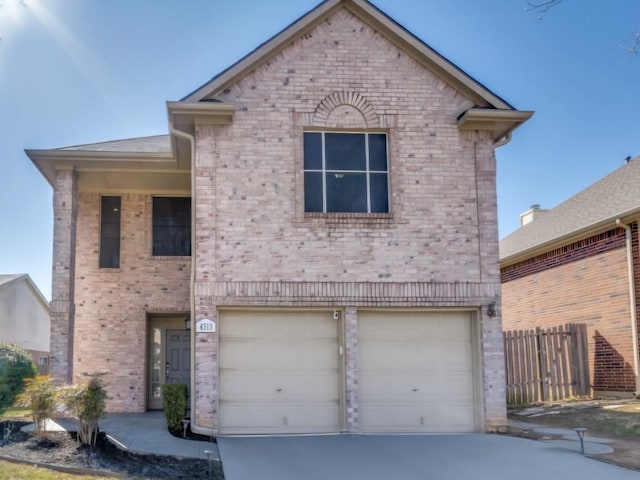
[632, 302]
[192, 281]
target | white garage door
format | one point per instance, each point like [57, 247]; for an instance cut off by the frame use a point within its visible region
[416, 372]
[279, 372]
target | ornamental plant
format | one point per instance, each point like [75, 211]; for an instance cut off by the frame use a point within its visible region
[174, 403]
[86, 402]
[39, 396]
[15, 365]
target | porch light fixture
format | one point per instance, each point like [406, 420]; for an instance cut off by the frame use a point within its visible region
[491, 310]
[187, 323]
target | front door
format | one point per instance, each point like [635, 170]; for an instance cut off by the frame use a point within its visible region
[169, 356]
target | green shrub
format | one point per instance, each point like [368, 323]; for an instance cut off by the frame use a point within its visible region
[86, 402]
[174, 403]
[39, 395]
[15, 365]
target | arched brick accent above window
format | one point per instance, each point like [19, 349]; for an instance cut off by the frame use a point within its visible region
[346, 110]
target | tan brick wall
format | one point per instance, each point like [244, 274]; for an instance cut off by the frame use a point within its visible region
[63, 268]
[111, 305]
[255, 246]
[593, 291]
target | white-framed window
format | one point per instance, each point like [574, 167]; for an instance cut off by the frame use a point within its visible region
[346, 172]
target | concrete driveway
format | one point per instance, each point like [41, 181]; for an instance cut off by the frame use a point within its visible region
[407, 457]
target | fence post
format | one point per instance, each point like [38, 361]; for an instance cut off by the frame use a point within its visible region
[542, 363]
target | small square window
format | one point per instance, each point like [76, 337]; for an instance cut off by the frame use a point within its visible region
[346, 172]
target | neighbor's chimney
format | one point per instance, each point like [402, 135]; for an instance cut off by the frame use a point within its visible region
[530, 215]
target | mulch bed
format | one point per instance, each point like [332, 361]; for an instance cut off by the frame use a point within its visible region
[61, 449]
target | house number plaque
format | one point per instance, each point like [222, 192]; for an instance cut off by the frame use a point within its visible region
[205, 326]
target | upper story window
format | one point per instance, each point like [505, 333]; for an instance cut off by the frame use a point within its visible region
[110, 232]
[346, 172]
[171, 226]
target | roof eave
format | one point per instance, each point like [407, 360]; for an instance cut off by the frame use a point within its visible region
[588, 231]
[499, 122]
[49, 161]
[186, 115]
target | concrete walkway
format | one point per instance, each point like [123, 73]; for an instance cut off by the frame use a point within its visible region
[565, 438]
[407, 457]
[143, 433]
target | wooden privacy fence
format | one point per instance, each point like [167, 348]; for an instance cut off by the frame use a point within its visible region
[546, 364]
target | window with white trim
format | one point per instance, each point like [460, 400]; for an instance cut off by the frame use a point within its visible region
[346, 172]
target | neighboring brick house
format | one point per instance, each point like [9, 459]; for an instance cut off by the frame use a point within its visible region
[325, 212]
[24, 317]
[579, 263]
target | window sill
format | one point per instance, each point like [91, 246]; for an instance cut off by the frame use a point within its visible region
[350, 219]
[337, 215]
[109, 270]
[180, 258]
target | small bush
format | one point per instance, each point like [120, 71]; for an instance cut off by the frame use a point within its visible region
[86, 402]
[40, 396]
[174, 403]
[15, 365]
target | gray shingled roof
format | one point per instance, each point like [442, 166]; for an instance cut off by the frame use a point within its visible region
[155, 144]
[617, 194]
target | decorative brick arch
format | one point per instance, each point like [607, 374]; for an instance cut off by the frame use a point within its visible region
[344, 110]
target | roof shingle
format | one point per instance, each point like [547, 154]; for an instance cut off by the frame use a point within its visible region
[616, 195]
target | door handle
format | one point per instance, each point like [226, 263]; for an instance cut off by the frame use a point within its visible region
[166, 372]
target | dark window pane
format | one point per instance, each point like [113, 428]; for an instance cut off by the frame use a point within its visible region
[109, 232]
[378, 152]
[312, 151]
[346, 192]
[312, 192]
[379, 193]
[172, 226]
[345, 151]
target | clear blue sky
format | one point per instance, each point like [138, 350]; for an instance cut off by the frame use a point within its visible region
[83, 71]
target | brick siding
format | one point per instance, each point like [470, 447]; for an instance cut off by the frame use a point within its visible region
[584, 282]
[112, 305]
[257, 247]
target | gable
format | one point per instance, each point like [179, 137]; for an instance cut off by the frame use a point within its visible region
[376, 20]
[339, 64]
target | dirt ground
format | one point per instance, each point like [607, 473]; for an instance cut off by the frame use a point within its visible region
[617, 420]
[61, 449]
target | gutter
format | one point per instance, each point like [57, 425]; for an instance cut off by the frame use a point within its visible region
[195, 428]
[632, 303]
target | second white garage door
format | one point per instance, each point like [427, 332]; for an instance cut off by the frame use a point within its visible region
[416, 372]
[279, 372]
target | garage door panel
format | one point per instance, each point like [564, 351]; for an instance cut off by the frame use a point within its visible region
[416, 372]
[279, 372]
[309, 357]
[458, 358]
[308, 387]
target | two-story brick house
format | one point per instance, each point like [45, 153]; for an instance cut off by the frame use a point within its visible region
[324, 211]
